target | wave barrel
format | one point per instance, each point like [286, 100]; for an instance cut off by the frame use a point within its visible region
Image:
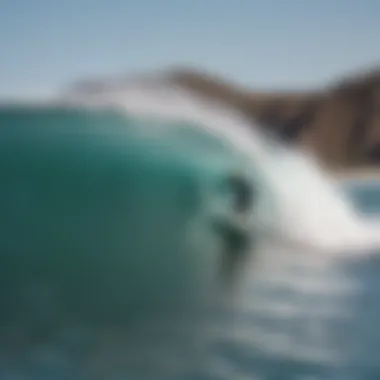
[105, 234]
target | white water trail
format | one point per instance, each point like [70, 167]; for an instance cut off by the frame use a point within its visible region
[310, 209]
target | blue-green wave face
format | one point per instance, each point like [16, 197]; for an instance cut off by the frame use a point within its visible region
[114, 230]
[110, 212]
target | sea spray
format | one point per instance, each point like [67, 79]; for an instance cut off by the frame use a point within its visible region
[309, 209]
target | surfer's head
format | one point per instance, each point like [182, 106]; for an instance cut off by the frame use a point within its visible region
[244, 193]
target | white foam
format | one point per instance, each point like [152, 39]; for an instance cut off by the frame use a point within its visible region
[310, 210]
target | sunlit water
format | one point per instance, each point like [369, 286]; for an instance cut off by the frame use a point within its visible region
[305, 306]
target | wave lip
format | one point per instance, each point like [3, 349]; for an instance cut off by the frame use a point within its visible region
[309, 210]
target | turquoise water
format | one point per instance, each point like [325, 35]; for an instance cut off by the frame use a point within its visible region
[105, 223]
[108, 251]
[365, 195]
[81, 190]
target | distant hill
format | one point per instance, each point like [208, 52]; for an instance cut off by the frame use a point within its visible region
[340, 123]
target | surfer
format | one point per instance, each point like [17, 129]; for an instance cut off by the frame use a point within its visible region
[234, 229]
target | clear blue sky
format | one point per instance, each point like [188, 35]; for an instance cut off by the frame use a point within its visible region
[267, 43]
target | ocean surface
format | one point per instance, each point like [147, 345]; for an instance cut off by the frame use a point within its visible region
[111, 268]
